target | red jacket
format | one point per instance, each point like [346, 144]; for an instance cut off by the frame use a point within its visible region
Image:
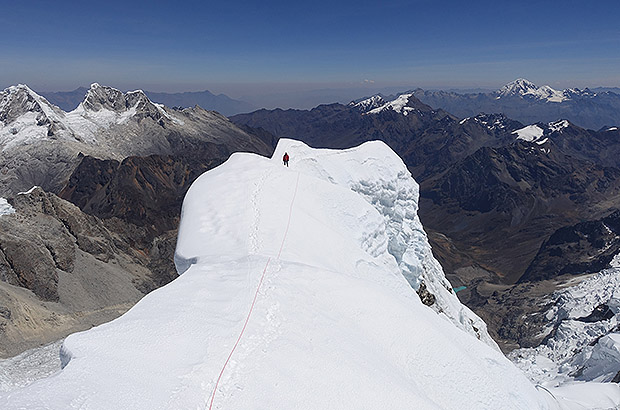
[285, 158]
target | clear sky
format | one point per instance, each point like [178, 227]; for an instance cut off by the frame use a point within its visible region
[272, 46]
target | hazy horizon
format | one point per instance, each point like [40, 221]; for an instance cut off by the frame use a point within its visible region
[251, 49]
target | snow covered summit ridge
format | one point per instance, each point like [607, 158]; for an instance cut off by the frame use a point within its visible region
[540, 133]
[378, 175]
[401, 104]
[333, 306]
[527, 89]
[368, 104]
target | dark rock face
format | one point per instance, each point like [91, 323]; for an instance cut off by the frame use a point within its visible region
[62, 270]
[42, 238]
[501, 178]
[425, 296]
[29, 265]
[507, 200]
[601, 312]
[144, 191]
[585, 247]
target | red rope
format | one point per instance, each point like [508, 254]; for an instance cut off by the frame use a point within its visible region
[247, 319]
[290, 212]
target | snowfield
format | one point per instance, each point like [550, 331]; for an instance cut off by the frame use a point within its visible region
[297, 292]
[531, 133]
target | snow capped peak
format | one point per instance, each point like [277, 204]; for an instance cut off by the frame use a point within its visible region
[102, 97]
[105, 105]
[571, 93]
[400, 104]
[520, 86]
[27, 116]
[369, 104]
[19, 88]
[137, 97]
[531, 133]
[18, 99]
[524, 88]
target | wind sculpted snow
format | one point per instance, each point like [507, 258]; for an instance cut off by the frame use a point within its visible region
[335, 324]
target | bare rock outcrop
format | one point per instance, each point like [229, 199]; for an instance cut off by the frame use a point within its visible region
[62, 270]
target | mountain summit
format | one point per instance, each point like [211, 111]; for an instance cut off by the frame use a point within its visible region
[524, 88]
[293, 280]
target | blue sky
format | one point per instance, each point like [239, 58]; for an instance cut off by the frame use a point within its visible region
[275, 46]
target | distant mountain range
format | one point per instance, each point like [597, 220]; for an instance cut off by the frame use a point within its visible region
[69, 100]
[529, 103]
[521, 100]
[493, 189]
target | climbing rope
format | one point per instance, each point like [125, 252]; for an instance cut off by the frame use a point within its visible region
[260, 283]
[538, 386]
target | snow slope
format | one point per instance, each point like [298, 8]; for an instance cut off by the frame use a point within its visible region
[531, 133]
[583, 342]
[522, 88]
[302, 267]
[399, 105]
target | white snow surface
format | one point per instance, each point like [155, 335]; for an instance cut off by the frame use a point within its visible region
[578, 350]
[522, 87]
[335, 323]
[5, 207]
[369, 103]
[399, 105]
[86, 128]
[31, 365]
[531, 133]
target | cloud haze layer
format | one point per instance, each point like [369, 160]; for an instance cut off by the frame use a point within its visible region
[193, 45]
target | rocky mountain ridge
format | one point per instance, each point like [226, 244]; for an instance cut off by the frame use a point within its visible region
[69, 100]
[126, 163]
[63, 270]
[41, 141]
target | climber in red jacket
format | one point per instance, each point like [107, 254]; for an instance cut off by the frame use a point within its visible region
[285, 159]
